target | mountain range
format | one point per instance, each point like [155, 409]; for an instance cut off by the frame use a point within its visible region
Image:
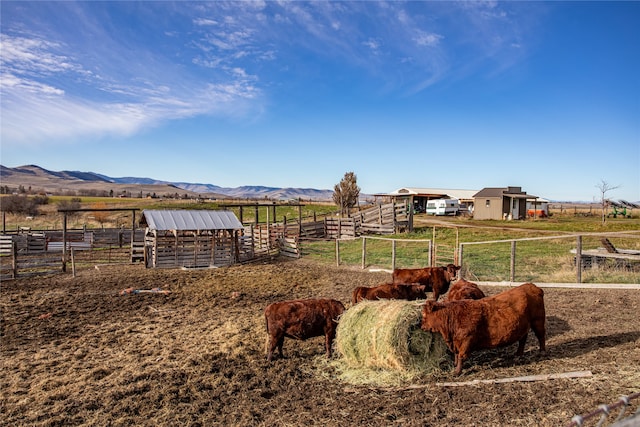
[40, 179]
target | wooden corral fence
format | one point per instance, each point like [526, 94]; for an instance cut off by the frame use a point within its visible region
[389, 218]
[41, 252]
[14, 263]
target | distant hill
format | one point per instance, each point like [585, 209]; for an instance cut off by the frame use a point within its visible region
[40, 179]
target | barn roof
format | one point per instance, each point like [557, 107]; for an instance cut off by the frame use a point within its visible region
[435, 192]
[184, 219]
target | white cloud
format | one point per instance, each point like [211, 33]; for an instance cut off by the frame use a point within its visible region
[422, 38]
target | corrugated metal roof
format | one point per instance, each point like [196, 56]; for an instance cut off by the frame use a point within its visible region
[435, 192]
[163, 220]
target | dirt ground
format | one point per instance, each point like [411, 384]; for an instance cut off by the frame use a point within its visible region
[75, 351]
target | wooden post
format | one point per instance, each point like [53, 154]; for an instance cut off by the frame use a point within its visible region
[393, 254]
[411, 214]
[133, 232]
[64, 242]
[513, 261]
[256, 214]
[364, 252]
[299, 219]
[432, 247]
[579, 259]
[337, 252]
[430, 252]
[241, 220]
[275, 219]
[155, 249]
[460, 255]
[73, 263]
[236, 245]
[268, 232]
[14, 259]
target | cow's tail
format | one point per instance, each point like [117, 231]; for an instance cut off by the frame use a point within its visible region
[267, 343]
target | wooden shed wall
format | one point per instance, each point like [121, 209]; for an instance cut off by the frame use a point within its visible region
[167, 249]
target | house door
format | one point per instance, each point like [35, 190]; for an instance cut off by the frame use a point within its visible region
[515, 208]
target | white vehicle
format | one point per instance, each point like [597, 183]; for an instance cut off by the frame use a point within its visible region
[443, 207]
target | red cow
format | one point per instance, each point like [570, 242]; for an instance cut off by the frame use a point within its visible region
[436, 279]
[494, 321]
[409, 292]
[463, 289]
[301, 319]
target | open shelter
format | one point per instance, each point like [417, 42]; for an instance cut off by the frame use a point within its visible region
[194, 238]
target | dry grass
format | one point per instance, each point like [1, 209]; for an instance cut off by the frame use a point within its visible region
[73, 351]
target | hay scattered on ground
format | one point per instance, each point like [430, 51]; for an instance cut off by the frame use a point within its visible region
[381, 342]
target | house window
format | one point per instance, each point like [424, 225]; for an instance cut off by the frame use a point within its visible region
[487, 203]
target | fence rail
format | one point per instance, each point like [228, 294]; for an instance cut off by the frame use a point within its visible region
[604, 411]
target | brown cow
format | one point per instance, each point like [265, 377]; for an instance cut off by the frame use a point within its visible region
[409, 292]
[463, 289]
[494, 321]
[301, 319]
[436, 279]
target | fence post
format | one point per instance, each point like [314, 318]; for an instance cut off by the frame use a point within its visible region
[513, 261]
[460, 252]
[579, 259]
[393, 254]
[64, 242]
[430, 253]
[73, 264]
[338, 252]
[364, 252]
[14, 260]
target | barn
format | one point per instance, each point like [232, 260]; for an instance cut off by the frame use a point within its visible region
[418, 197]
[194, 238]
[501, 203]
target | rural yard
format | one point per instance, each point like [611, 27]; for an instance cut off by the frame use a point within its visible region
[94, 350]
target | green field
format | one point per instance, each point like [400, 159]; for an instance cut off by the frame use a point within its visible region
[548, 259]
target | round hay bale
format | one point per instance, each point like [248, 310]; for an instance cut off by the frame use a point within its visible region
[386, 334]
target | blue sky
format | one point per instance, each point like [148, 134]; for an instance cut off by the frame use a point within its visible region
[466, 95]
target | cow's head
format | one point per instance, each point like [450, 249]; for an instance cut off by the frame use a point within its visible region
[417, 287]
[451, 271]
[430, 321]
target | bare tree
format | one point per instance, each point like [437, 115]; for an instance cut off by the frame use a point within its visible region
[604, 188]
[346, 193]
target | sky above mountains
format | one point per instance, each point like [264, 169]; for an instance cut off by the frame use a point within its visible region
[542, 95]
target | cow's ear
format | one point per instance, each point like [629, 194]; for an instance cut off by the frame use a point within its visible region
[428, 306]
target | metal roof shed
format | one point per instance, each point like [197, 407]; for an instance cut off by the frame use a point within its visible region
[194, 238]
[190, 220]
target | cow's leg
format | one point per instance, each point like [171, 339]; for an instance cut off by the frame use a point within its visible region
[462, 353]
[521, 344]
[280, 344]
[273, 342]
[330, 335]
[459, 359]
[539, 329]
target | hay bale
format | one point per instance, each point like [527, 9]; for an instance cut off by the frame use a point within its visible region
[386, 334]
